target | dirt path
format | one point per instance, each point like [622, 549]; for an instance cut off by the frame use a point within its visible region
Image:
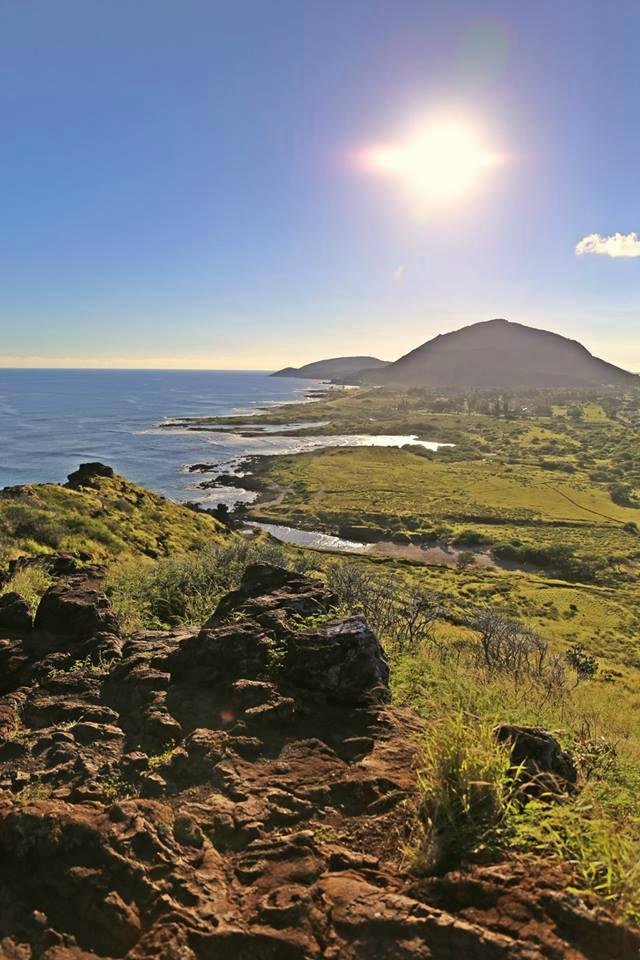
[441, 555]
[272, 496]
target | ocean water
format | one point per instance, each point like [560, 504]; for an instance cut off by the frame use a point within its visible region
[52, 420]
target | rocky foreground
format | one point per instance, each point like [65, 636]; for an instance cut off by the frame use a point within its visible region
[243, 792]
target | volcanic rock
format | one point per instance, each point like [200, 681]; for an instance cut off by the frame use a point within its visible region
[542, 765]
[15, 615]
[77, 610]
[88, 472]
[238, 793]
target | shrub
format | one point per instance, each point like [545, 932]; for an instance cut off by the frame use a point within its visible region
[622, 494]
[469, 538]
[31, 582]
[186, 589]
[464, 785]
[403, 616]
[584, 664]
[510, 647]
[557, 559]
[465, 559]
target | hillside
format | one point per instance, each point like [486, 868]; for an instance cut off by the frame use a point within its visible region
[100, 513]
[332, 369]
[245, 790]
[500, 354]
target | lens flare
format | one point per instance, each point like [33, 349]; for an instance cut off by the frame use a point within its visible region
[441, 161]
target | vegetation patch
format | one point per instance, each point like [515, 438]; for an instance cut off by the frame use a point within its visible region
[108, 517]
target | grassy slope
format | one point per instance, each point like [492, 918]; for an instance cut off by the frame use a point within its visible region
[111, 517]
[541, 481]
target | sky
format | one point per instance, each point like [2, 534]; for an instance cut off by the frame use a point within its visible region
[189, 183]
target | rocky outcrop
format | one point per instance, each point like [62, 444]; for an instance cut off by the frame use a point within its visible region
[77, 609]
[542, 765]
[59, 564]
[341, 660]
[15, 614]
[56, 565]
[87, 473]
[238, 792]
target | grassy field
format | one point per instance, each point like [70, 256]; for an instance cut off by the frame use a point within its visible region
[534, 490]
[404, 494]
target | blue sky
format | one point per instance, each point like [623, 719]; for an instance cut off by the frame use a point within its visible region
[177, 185]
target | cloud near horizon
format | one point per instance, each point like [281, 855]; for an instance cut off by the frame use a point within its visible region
[618, 245]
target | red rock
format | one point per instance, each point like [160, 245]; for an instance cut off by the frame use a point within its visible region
[275, 812]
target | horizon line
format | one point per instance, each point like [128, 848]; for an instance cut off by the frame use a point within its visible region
[145, 369]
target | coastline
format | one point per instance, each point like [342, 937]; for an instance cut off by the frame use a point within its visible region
[239, 487]
[51, 420]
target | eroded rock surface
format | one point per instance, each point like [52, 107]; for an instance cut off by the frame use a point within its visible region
[235, 793]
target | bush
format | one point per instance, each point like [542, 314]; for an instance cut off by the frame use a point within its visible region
[557, 559]
[27, 522]
[465, 559]
[186, 589]
[403, 616]
[470, 538]
[511, 648]
[622, 494]
[585, 665]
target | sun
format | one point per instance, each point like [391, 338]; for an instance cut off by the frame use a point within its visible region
[440, 161]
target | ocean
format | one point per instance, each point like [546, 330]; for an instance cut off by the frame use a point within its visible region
[52, 420]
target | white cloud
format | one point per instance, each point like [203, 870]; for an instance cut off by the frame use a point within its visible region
[618, 245]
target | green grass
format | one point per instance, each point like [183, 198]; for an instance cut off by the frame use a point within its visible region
[381, 481]
[31, 583]
[109, 518]
[186, 589]
[463, 783]
[469, 806]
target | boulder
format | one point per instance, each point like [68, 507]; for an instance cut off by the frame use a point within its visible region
[544, 767]
[271, 595]
[15, 615]
[76, 610]
[60, 564]
[238, 650]
[342, 660]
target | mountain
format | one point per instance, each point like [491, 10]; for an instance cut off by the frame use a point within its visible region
[332, 369]
[498, 353]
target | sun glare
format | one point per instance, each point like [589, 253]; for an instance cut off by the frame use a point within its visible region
[439, 162]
